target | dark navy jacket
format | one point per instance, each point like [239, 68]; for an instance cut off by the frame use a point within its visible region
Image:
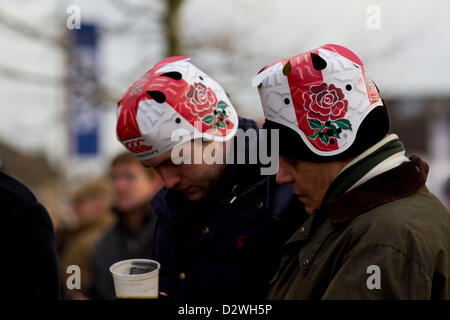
[228, 244]
[29, 244]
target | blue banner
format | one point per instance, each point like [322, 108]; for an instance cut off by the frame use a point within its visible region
[83, 88]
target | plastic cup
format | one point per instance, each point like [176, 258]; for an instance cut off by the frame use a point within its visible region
[136, 278]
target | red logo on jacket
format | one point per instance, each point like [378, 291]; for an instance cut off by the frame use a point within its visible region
[240, 242]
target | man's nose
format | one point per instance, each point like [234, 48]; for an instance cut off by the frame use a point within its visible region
[169, 177]
[283, 175]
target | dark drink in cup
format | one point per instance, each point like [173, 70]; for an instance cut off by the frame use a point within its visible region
[136, 278]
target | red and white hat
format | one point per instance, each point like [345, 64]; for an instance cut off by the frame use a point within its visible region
[323, 95]
[174, 94]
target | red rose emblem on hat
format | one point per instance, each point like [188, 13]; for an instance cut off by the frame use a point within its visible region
[200, 99]
[326, 106]
[202, 102]
[325, 102]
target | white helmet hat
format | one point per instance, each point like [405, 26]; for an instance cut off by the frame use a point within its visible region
[322, 95]
[173, 95]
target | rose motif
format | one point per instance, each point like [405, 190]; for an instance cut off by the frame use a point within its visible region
[325, 102]
[201, 100]
[326, 106]
[219, 118]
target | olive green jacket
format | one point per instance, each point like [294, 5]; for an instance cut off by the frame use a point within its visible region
[388, 238]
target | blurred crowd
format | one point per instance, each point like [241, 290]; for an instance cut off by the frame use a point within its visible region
[106, 220]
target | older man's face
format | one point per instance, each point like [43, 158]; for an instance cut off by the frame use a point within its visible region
[193, 180]
[309, 180]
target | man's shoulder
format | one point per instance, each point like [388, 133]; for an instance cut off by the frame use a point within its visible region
[109, 235]
[419, 210]
[19, 205]
[417, 225]
[107, 244]
[13, 192]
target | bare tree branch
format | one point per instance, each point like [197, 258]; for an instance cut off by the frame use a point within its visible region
[171, 20]
[35, 78]
[29, 31]
[129, 9]
[106, 95]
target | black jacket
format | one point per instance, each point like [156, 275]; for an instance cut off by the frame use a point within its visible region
[228, 244]
[28, 249]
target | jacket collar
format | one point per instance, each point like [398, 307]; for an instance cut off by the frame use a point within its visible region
[397, 183]
[349, 176]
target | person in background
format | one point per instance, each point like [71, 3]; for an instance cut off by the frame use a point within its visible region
[90, 205]
[133, 234]
[28, 247]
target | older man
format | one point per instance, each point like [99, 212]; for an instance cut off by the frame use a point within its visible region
[221, 224]
[374, 231]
